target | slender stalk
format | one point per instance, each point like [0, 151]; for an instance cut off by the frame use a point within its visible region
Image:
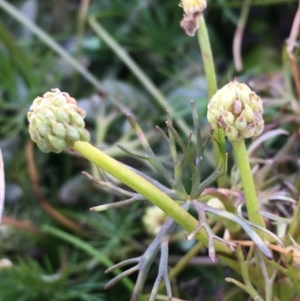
[208, 60]
[269, 280]
[242, 162]
[211, 79]
[248, 287]
[182, 263]
[249, 290]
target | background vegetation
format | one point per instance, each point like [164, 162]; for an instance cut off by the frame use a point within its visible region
[58, 249]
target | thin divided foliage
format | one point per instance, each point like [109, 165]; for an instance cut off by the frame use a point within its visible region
[131, 67]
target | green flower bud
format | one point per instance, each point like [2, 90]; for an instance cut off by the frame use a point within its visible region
[241, 122]
[57, 143]
[72, 133]
[77, 120]
[44, 145]
[55, 122]
[62, 116]
[84, 135]
[58, 129]
[43, 127]
[238, 110]
[231, 133]
[215, 203]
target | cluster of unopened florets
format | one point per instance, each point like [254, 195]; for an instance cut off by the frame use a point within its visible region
[55, 122]
[192, 6]
[238, 110]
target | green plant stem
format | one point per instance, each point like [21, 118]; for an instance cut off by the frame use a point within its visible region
[208, 61]
[211, 79]
[158, 198]
[249, 290]
[242, 162]
[247, 286]
[137, 183]
[149, 191]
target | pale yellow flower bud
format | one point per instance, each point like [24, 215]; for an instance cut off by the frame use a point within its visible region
[215, 203]
[153, 220]
[192, 6]
[55, 121]
[238, 110]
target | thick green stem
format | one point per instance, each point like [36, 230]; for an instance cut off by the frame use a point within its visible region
[210, 74]
[242, 162]
[157, 197]
[152, 193]
[136, 182]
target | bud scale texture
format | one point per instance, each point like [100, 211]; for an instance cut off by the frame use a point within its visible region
[238, 110]
[55, 121]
